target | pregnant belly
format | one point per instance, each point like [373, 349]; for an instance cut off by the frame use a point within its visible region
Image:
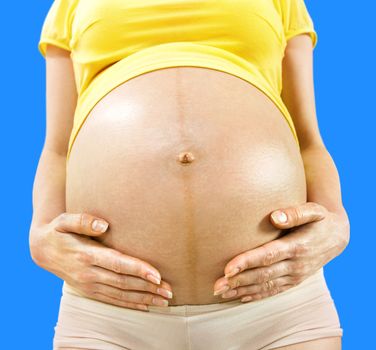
[186, 164]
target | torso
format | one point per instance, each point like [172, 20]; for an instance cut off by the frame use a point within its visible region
[186, 164]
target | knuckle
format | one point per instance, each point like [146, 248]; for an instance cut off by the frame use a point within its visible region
[236, 283]
[269, 257]
[139, 268]
[305, 270]
[274, 290]
[89, 289]
[295, 279]
[121, 294]
[86, 276]
[289, 248]
[116, 265]
[264, 275]
[299, 267]
[61, 220]
[84, 257]
[77, 276]
[318, 208]
[121, 262]
[269, 285]
[293, 214]
[116, 293]
[124, 282]
[260, 277]
[63, 217]
[289, 267]
[84, 219]
[315, 207]
[298, 212]
[121, 281]
[300, 249]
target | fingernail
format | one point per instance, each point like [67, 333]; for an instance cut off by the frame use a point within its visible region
[153, 278]
[232, 272]
[222, 290]
[247, 298]
[279, 217]
[166, 293]
[159, 302]
[99, 225]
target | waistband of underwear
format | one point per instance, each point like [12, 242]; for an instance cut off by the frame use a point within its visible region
[312, 287]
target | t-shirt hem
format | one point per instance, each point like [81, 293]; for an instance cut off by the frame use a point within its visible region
[165, 56]
[303, 30]
[42, 45]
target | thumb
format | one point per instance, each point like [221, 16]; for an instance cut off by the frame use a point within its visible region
[81, 223]
[298, 215]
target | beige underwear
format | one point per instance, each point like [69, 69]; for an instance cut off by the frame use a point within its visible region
[302, 313]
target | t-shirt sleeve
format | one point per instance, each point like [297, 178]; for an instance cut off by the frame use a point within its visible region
[297, 20]
[56, 29]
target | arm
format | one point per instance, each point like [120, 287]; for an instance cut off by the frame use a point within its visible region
[60, 242]
[61, 99]
[321, 227]
[323, 183]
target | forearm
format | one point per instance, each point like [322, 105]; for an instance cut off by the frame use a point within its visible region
[323, 182]
[49, 187]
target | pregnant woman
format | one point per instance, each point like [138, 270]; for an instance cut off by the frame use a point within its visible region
[170, 143]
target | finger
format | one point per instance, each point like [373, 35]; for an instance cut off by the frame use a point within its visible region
[259, 275]
[128, 282]
[270, 286]
[265, 255]
[106, 299]
[113, 260]
[130, 296]
[263, 295]
[298, 215]
[81, 223]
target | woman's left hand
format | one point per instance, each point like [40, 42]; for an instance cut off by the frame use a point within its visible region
[316, 236]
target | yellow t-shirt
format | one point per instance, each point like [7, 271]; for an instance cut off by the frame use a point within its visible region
[115, 40]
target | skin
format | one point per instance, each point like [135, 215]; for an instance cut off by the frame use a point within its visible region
[319, 230]
[294, 257]
[264, 271]
[60, 242]
[180, 203]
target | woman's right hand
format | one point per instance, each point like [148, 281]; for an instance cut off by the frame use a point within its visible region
[65, 248]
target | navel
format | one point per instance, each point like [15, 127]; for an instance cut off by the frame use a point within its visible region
[185, 158]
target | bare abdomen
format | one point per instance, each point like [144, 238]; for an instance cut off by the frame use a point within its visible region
[186, 165]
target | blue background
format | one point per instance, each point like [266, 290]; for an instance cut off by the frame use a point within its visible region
[345, 86]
